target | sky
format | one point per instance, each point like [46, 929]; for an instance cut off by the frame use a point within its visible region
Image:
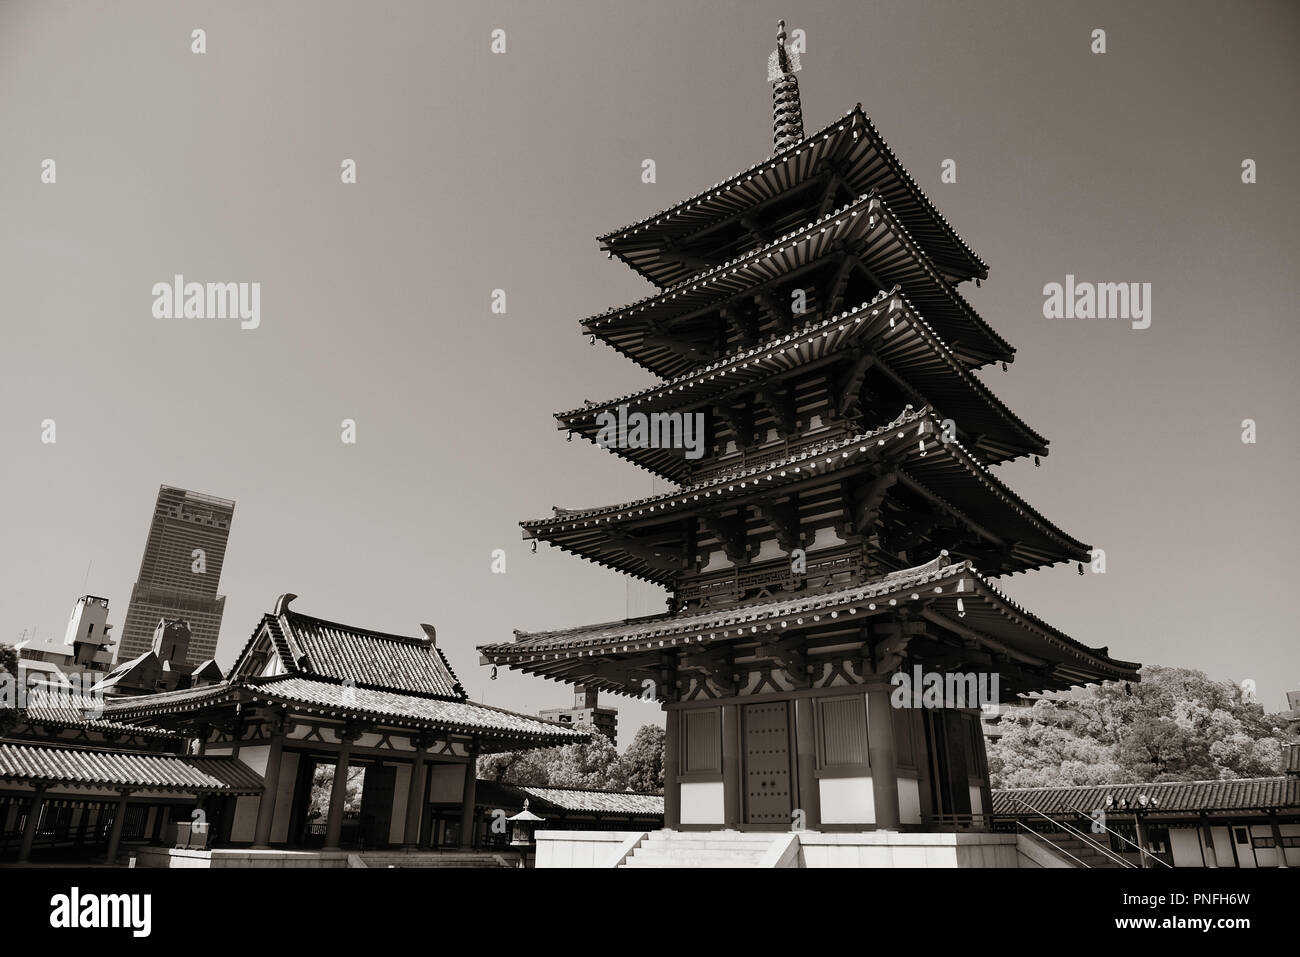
[479, 171]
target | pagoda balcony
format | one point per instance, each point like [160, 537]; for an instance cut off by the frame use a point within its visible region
[825, 570]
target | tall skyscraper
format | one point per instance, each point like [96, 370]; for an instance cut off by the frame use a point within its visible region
[180, 573]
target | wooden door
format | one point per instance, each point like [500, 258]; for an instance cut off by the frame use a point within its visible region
[768, 778]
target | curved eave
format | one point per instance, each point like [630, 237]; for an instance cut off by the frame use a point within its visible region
[263, 691]
[889, 324]
[946, 470]
[866, 227]
[852, 142]
[956, 593]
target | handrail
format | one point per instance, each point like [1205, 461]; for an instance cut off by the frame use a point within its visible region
[1044, 839]
[1096, 845]
[1141, 850]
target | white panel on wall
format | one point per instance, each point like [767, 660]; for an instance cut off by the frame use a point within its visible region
[847, 801]
[255, 757]
[1223, 846]
[702, 803]
[976, 799]
[909, 801]
[1185, 843]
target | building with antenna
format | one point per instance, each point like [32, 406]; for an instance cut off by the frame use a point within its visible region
[846, 522]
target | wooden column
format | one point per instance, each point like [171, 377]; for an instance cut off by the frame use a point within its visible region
[33, 820]
[880, 753]
[672, 764]
[339, 793]
[271, 782]
[1211, 859]
[806, 746]
[731, 765]
[115, 833]
[1141, 828]
[1277, 838]
[415, 793]
[467, 802]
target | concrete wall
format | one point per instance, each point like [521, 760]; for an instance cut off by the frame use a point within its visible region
[581, 848]
[893, 849]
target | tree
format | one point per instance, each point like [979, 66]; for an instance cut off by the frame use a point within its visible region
[596, 764]
[1177, 724]
[644, 759]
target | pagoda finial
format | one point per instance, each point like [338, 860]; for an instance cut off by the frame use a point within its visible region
[787, 110]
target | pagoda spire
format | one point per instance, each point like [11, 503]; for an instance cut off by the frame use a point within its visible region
[787, 110]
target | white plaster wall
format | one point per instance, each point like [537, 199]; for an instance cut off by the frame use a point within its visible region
[717, 559]
[909, 801]
[702, 802]
[1185, 843]
[847, 801]
[976, 799]
[1223, 846]
[1292, 853]
[255, 756]
[397, 829]
[284, 798]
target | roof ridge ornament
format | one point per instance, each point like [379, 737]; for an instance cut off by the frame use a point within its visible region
[787, 107]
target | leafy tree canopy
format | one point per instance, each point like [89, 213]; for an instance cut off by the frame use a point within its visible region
[1177, 724]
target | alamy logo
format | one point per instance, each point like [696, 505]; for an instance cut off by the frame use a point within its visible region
[1101, 300]
[936, 689]
[74, 910]
[658, 430]
[179, 299]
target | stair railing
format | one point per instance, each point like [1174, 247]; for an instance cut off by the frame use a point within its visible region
[1142, 851]
[1075, 832]
[1042, 837]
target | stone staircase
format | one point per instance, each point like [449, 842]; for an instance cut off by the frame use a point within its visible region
[1088, 854]
[701, 849]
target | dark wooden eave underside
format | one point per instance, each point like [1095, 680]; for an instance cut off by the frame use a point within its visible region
[955, 600]
[889, 330]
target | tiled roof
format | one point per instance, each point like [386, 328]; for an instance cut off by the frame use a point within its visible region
[600, 802]
[863, 154]
[866, 224]
[370, 658]
[952, 591]
[155, 772]
[1170, 796]
[896, 333]
[947, 471]
[81, 711]
[573, 800]
[358, 702]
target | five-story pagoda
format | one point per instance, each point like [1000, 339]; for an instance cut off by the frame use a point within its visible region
[842, 524]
